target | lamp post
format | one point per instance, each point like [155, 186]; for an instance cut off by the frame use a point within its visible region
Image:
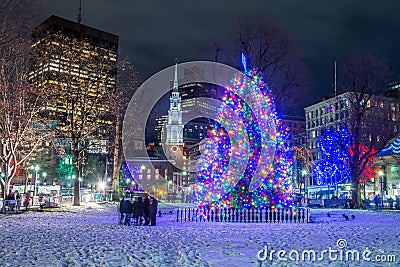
[380, 173]
[36, 169]
[304, 174]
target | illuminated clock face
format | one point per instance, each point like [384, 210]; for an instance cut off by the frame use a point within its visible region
[174, 148]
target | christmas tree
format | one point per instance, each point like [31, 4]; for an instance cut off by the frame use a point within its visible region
[247, 160]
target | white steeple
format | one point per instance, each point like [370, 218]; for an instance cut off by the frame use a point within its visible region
[175, 89]
[174, 126]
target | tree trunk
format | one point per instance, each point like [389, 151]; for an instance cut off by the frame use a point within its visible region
[355, 185]
[115, 180]
[77, 199]
[117, 159]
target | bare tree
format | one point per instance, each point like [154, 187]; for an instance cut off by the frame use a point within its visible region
[372, 122]
[272, 53]
[22, 131]
[126, 86]
[21, 128]
[16, 17]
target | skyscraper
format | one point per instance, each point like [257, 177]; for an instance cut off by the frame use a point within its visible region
[70, 60]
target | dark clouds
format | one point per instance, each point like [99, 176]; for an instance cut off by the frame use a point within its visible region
[154, 33]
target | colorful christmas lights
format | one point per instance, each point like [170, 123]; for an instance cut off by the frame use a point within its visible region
[248, 159]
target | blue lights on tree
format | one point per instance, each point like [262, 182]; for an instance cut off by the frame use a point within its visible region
[334, 167]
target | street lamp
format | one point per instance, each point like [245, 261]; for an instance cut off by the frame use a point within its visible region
[304, 173]
[169, 182]
[380, 173]
[102, 186]
[44, 178]
[36, 169]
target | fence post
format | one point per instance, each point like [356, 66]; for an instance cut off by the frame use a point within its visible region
[278, 215]
[177, 215]
[266, 214]
[225, 214]
[286, 215]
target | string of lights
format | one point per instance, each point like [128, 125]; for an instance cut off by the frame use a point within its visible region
[248, 158]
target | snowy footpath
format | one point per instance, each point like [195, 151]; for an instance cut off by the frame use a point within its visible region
[90, 236]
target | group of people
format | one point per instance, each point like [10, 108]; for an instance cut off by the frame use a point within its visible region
[378, 202]
[142, 211]
[13, 200]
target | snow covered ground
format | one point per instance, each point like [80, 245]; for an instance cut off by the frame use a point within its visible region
[90, 236]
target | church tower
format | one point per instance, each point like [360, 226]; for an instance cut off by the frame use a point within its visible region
[173, 145]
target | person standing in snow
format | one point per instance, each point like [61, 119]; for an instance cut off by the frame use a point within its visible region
[27, 200]
[18, 200]
[139, 211]
[390, 200]
[127, 209]
[146, 206]
[153, 211]
[397, 205]
[11, 201]
[377, 201]
[135, 201]
[121, 203]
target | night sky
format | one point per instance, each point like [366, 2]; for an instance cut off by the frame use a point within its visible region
[154, 33]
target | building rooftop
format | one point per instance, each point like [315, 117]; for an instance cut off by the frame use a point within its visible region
[75, 29]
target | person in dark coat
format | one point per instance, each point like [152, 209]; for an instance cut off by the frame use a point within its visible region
[18, 200]
[377, 201]
[153, 211]
[135, 206]
[121, 203]
[146, 206]
[139, 208]
[127, 208]
[11, 201]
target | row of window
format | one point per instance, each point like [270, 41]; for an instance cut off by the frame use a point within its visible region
[328, 119]
[328, 109]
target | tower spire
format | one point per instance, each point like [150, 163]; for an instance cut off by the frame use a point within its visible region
[175, 89]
